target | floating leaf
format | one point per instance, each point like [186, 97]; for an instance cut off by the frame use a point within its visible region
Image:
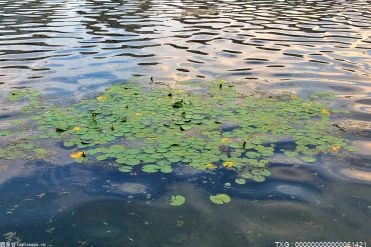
[227, 185]
[265, 173]
[224, 140]
[132, 126]
[101, 98]
[185, 127]
[247, 175]
[211, 166]
[258, 178]
[220, 198]
[4, 133]
[335, 148]
[291, 153]
[325, 111]
[308, 159]
[150, 168]
[40, 151]
[177, 200]
[77, 154]
[240, 181]
[228, 164]
[101, 157]
[166, 169]
[125, 168]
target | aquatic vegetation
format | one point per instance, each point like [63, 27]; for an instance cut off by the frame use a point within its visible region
[220, 199]
[156, 128]
[177, 200]
[22, 149]
[4, 133]
[78, 154]
[240, 181]
[32, 97]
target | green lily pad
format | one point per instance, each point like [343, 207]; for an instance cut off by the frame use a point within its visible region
[220, 198]
[240, 181]
[177, 200]
[4, 133]
[258, 178]
[291, 153]
[308, 159]
[125, 168]
[247, 175]
[265, 173]
[227, 185]
[150, 168]
[101, 157]
[157, 127]
[166, 169]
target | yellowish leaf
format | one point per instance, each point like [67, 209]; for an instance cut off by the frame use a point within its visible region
[224, 140]
[228, 164]
[101, 98]
[325, 111]
[210, 166]
[77, 154]
[335, 148]
[77, 128]
[138, 114]
[293, 97]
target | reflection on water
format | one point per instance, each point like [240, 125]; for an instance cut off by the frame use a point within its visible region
[80, 45]
[76, 47]
[96, 206]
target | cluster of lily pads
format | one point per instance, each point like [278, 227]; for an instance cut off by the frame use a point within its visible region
[156, 128]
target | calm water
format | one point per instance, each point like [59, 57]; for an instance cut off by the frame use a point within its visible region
[72, 48]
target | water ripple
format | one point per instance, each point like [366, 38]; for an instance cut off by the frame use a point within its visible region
[300, 41]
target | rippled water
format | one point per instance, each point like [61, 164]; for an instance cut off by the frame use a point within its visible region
[66, 48]
[77, 45]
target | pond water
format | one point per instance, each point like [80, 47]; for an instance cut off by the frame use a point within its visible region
[69, 49]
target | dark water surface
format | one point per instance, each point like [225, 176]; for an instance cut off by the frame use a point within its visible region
[71, 48]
